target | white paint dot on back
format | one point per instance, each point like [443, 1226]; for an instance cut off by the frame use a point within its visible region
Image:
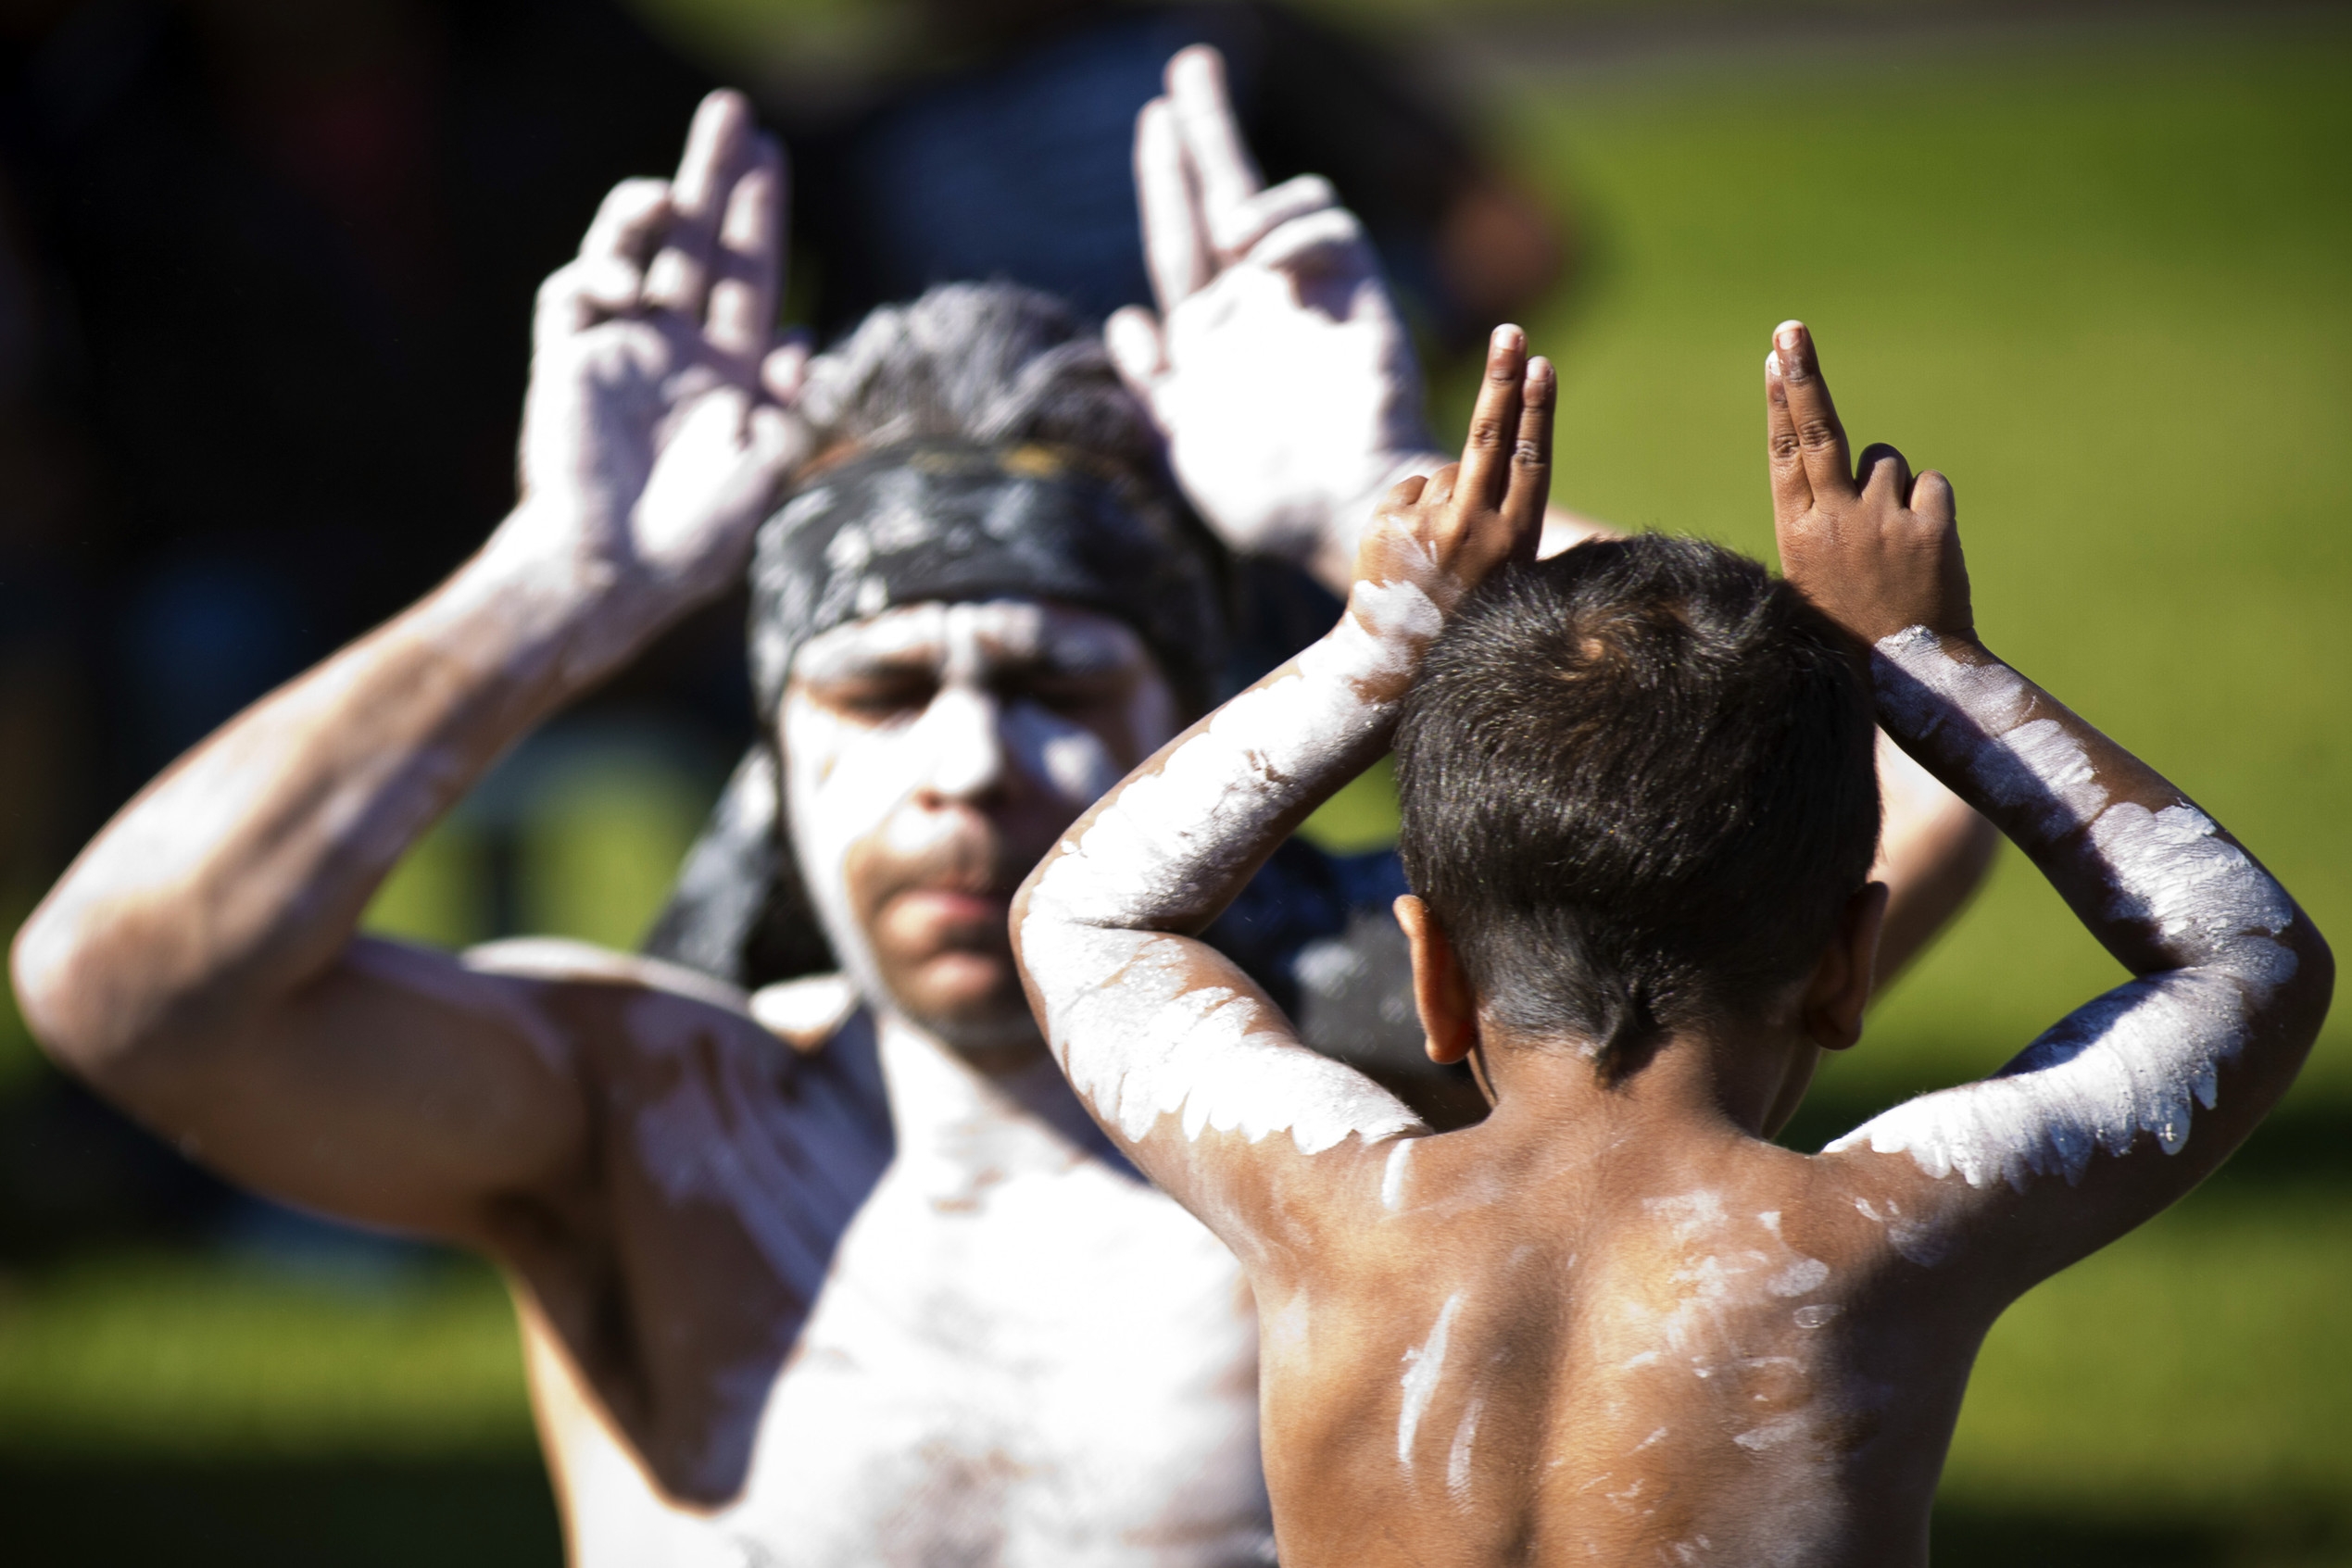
[805, 1012]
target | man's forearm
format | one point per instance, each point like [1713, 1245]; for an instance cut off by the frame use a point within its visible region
[241, 871]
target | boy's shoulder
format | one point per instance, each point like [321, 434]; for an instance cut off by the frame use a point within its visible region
[1746, 1223]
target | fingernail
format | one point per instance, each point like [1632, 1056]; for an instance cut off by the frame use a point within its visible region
[1772, 363]
[1790, 335]
[1508, 336]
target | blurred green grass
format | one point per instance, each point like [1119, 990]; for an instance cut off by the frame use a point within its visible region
[174, 1356]
[2103, 285]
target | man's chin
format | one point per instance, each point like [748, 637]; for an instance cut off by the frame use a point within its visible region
[988, 1024]
[994, 1042]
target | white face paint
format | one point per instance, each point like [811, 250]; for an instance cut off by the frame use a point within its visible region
[969, 725]
[2141, 1058]
[1135, 1036]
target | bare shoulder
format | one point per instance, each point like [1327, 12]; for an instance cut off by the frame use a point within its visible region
[557, 960]
[632, 1024]
[805, 1012]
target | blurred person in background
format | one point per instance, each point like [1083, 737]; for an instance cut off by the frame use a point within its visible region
[994, 144]
[267, 256]
[832, 1272]
[262, 267]
[991, 141]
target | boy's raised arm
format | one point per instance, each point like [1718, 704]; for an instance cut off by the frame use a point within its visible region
[1181, 1059]
[2132, 1099]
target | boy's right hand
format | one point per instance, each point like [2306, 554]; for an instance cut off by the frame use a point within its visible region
[1878, 550]
[1445, 534]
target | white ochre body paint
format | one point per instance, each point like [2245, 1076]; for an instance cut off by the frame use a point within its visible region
[1423, 1364]
[1138, 1037]
[936, 1396]
[2143, 1057]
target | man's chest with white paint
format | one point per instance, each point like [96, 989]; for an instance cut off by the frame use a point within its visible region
[1059, 1360]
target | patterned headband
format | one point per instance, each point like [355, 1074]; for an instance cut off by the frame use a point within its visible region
[949, 519]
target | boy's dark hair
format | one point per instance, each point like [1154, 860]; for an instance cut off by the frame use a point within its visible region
[1638, 787]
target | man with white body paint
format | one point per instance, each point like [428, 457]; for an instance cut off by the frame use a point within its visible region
[886, 1296]
[1613, 1322]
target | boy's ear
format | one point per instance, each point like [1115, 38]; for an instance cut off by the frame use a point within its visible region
[1830, 1014]
[1441, 991]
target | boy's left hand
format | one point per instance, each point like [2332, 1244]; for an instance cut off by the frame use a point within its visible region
[1876, 548]
[1445, 534]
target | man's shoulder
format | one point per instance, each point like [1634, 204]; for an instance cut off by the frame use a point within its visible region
[807, 1012]
[602, 1004]
[561, 960]
[689, 1063]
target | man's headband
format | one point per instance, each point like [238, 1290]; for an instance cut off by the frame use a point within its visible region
[951, 520]
[926, 520]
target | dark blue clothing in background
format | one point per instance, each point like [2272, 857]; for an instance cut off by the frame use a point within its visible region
[1020, 168]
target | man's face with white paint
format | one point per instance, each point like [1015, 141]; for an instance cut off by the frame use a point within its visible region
[933, 753]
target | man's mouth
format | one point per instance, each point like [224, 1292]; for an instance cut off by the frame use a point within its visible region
[937, 921]
[950, 906]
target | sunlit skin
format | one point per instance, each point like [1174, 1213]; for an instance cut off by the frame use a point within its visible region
[885, 1299]
[696, 1218]
[1614, 1324]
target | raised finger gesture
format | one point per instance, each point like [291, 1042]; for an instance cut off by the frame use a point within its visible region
[1444, 534]
[1877, 548]
[1276, 367]
[655, 433]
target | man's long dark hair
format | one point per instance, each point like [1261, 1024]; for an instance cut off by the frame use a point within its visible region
[1638, 790]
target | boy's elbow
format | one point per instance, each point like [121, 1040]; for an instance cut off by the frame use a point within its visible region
[2314, 973]
[2289, 1009]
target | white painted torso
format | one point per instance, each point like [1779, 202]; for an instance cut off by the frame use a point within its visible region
[1023, 1355]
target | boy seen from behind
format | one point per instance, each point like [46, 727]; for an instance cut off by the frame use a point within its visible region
[1613, 1321]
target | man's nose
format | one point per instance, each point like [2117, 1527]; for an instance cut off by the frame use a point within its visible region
[967, 743]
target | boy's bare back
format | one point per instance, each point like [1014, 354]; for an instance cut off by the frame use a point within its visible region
[1613, 1321]
[1650, 1339]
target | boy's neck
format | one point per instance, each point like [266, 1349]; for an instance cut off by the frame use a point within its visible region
[1742, 1078]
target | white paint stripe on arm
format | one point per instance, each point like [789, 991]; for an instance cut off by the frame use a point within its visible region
[2141, 1058]
[1138, 1039]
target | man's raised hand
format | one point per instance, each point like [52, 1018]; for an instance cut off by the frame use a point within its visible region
[656, 433]
[1445, 534]
[1277, 367]
[1877, 549]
